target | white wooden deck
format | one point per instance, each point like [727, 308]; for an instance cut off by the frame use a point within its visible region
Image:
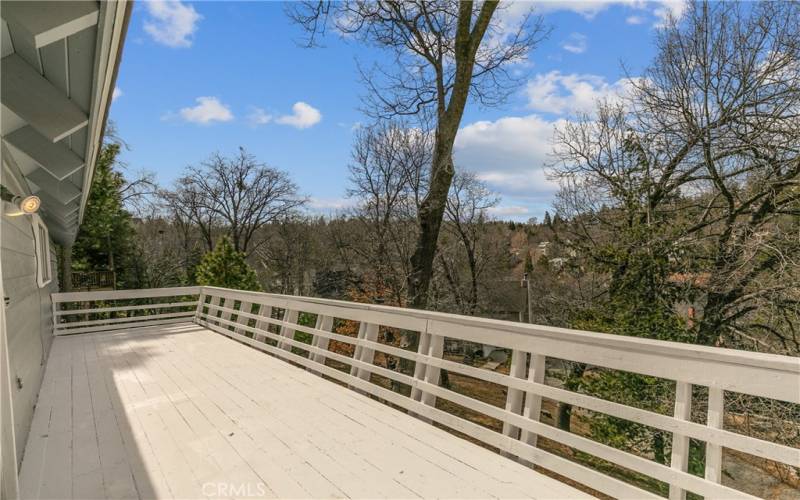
[178, 411]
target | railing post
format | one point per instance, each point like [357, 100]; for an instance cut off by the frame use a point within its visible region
[716, 408]
[533, 402]
[519, 362]
[216, 300]
[55, 316]
[433, 373]
[201, 300]
[367, 331]
[419, 367]
[245, 307]
[324, 323]
[225, 314]
[289, 316]
[263, 310]
[680, 443]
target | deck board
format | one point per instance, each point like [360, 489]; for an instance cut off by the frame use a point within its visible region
[178, 411]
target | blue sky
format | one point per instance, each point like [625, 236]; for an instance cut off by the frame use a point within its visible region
[212, 76]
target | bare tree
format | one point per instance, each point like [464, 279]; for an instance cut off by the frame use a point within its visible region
[445, 52]
[700, 167]
[388, 174]
[466, 217]
[238, 195]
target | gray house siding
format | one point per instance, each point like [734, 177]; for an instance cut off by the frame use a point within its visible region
[28, 319]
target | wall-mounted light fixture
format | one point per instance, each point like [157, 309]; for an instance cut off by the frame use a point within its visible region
[19, 205]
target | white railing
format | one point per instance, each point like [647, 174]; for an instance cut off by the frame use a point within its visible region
[271, 323]
[84, 312]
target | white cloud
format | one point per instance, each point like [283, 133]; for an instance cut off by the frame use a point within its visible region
[569, 94]
[590, 8]
[511, 210]
[586, 8]
[259, 117]
[208, 109]
[669, 9]
[171, 23]
[116, 94]
[509, 154]
[575, 43]
[325, 205]
[303, 116]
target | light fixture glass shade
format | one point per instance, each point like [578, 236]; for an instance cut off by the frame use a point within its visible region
[30, 204]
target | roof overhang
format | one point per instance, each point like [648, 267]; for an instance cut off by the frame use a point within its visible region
[59, 66]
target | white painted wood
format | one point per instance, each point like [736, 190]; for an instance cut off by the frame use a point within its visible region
[614, 455]
[123, 326]
[680, 443]
[128, 319]
[519, 364]
[324, 323]
[759, 374]
[366, 354]
[182, 406]
[533, 401]
[37, 101]
[433, 373]
[289, 318]
[126, 294]
[63, 191]
[746, 444]
[263, 311]
[525, 384]
[241, 319]
[362, 328]
[50, 21]
[55, 157]
[716, 411]
[125, 308]
[419, 368]
[587, 476]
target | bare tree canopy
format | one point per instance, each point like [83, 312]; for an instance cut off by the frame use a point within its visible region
[699, 170]
[467, 214]
[237, 195]
[445, 53]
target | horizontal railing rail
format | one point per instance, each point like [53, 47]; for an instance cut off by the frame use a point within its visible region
[306, 332]
[85, 312]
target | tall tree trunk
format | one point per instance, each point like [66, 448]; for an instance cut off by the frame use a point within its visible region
[449, 114]
[430, 222]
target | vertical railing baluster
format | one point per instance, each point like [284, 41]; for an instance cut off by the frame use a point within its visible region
[263, 311]
[198, 311]
[419, 367]
[216, 300]
[289, 316]
[519, 362]
[716, 408]
[533, 401]
[227, 303]
[362, 327]
[324, 323]
[433, 373]
[245, 307]
[367, 331]
[680, 443]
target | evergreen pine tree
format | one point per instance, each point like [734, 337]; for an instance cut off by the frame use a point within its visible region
[105, 238]
[226, 268]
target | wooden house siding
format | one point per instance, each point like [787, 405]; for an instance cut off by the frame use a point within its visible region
[29, 320]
